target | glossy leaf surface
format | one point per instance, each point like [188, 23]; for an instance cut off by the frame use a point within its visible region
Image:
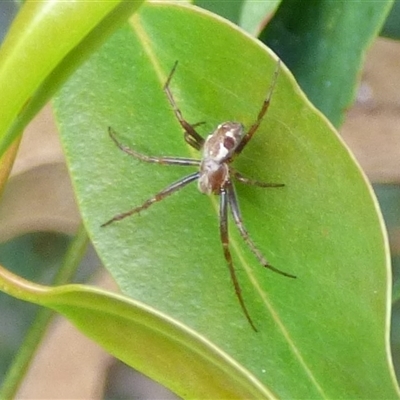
[40, 51]
[322, 335]
[111, 320]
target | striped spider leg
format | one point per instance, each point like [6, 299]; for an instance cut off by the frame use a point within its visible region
[214, 176]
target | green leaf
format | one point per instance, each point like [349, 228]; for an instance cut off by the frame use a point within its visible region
[255, 14]
[46, 41]
[391, 28]
[159, 344]
[324, 44]
[248, 14]
[230, 9]
[322, 335]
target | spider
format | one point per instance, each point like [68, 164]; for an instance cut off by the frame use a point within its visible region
[214, 175]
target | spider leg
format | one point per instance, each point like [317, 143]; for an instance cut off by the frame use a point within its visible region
[198, 124]
[249, 181]
[223, 221]
[190, 135]
[261, 113]
[151, 159]
[157, 197]
[237, 217]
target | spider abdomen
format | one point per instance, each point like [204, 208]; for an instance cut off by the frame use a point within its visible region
[213, 176]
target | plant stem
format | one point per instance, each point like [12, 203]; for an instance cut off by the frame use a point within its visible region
[36, 332]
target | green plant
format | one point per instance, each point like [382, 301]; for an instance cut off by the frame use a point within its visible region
[168, 261]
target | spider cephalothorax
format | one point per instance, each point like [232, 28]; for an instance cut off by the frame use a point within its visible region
[214, 176]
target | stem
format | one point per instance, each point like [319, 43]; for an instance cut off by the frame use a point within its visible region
[36, 332]
[396, 292]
